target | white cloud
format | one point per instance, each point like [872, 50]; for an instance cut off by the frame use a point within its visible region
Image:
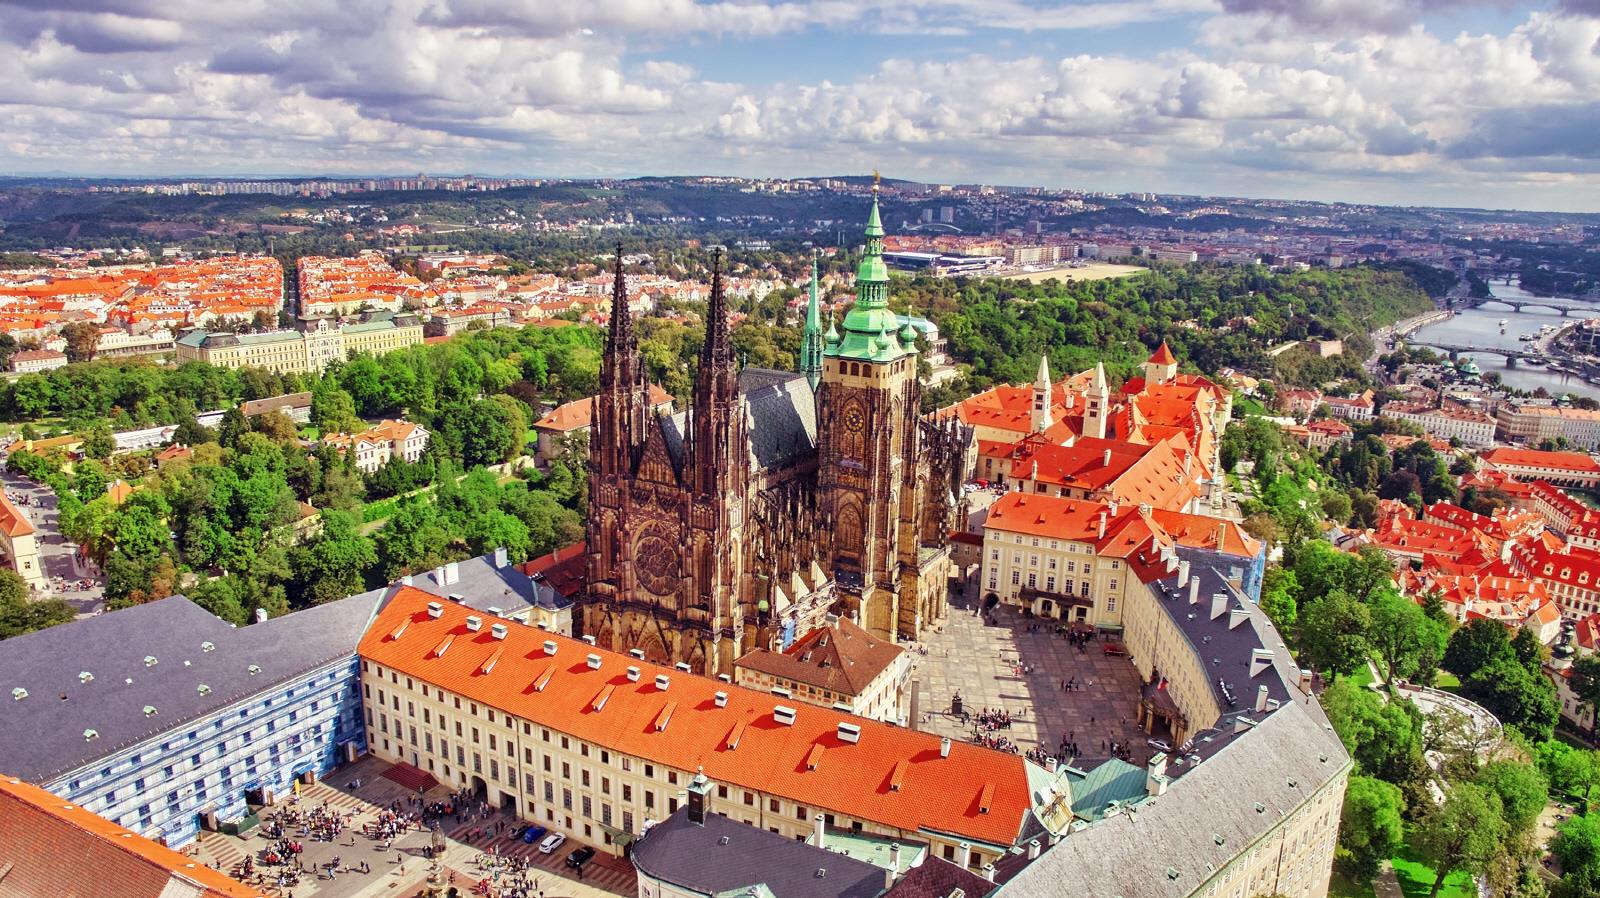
[1276, 95]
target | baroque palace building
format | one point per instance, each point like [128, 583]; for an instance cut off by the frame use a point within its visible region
[777, 497]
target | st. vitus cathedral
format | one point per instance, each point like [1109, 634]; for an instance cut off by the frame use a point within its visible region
[778, 497]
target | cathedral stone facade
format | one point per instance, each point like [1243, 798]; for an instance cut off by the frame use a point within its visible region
[777, 497]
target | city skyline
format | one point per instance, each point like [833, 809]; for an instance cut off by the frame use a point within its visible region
[1410, 103]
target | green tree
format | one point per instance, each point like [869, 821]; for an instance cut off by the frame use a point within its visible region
[1584, 681]
[332, 408]
[1475, 646]
[1334, 633]
[1519, 697]
[333, 564]
[1278, 590]
[83, 340]
[1521, 788]
[1370, 828]
[1577, 846]
[1404, 637]
[1464, 833]
[98, 443]
[1385, 738]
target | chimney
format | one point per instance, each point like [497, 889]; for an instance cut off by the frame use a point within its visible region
[1219, 604]
[1305, 680]
[964, 855]
[633, 674]
[637, 653]
[438, 576]
[406, 580]
[1183, 573]
[452, 572]
[1155, 775]
[1237, 616]
[550, 647]
[500, 556]
[261, 615]
[944, 747]
[683, 667]
[721, 699]
[662, 681]
[589, 639]
[474, 623]
[1260, 660]
[593, 661]
[496, 611]
[1033, 849]
[1102, 525]
[893, 869]
[817, 831]
[988, 872]
[783, 714]
[435, 610]
[1106, 461]
[1194, 590]
[498, 631]
[1261, 699]
[1222, 535]
[849, 732]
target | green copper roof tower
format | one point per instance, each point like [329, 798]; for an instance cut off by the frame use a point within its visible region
[811, 337]
[871, 332]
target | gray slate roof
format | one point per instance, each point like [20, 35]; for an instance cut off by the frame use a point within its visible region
[1227, 650]
[1129, 854]
[483, 585]
[725, 855]
[780, 415]
[1235, 781]
[42, 735]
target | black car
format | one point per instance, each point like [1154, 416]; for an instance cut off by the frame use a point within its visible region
[580, 856]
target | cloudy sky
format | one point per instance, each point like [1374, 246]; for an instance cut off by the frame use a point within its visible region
[1442, 102]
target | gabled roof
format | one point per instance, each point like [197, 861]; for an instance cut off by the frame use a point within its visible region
[577, 414]
[49, 846]
[936, 793]
[840, 657]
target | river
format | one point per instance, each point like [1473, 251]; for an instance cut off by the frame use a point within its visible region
[1481, 327]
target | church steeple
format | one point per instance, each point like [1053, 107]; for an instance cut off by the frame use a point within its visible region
[811, 337]
[717, 422]
[620, 367]
[871, 332]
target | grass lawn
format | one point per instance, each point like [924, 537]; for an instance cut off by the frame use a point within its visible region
[1416, 877]
[1447, 681]
[1342, 886]
[1363, 676]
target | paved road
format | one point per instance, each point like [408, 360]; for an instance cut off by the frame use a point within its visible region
[56, 554]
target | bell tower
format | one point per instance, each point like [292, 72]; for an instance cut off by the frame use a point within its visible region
[867, 438]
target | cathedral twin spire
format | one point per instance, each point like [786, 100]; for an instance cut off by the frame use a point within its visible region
[811, 338]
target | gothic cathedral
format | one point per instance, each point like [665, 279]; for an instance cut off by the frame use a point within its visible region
[778, 497]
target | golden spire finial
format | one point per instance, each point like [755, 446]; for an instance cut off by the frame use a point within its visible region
[875, 179]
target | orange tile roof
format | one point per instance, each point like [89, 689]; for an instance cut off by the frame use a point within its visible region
[570, 416]
[49, 846]
[1163, 356]
[938, 794]
[12, 520]
[1536, 458]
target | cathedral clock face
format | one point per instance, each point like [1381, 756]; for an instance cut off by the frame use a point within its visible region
[655, 559]
[854, 420]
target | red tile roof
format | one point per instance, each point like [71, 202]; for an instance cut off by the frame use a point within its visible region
[1163, 356]
[939, 794]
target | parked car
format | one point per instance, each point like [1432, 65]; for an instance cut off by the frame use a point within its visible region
[551, 843]
[580, 856]
[533, 834]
